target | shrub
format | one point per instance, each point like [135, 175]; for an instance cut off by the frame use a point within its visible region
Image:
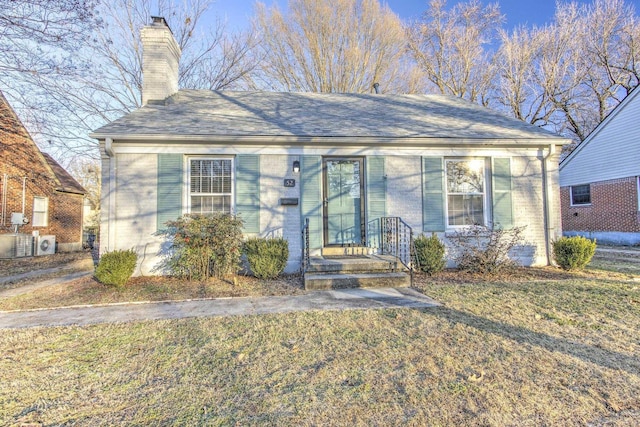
[430, 253]
[267, 258]
[115, 268]
[205, 246]
[573, 253]
[486, 250]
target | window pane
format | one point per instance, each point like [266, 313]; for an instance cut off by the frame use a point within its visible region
[210, 185]
[466, 210]
[40, 217]
[465, 192]
[465, 176]
[581, 194]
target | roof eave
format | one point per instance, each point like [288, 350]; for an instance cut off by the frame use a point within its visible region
[331, 140]
[70, 191]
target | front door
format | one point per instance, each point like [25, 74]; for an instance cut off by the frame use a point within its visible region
[343, 201]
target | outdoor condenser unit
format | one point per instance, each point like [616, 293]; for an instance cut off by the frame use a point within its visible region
[45, 245]
[16, 245]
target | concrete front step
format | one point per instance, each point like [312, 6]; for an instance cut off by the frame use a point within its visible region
[347, 251]
[356, 280]
[368, 264]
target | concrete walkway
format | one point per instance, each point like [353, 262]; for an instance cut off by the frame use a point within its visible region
[346, 299]
[12, 292]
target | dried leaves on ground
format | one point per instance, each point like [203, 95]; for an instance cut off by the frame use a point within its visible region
[556, 352]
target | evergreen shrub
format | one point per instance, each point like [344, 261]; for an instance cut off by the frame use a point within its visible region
[430, 253]
[267, 258]
[116, 268]
[573, 253]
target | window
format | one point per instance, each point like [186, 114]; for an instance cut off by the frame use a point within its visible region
[580, 195]
[40, 212]
[210, 185]
[465, 192]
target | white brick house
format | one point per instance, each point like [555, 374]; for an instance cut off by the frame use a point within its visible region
[340, 160]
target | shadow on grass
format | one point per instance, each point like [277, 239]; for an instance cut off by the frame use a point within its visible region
[588, 353]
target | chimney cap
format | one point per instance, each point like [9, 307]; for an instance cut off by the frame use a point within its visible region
[160, 21]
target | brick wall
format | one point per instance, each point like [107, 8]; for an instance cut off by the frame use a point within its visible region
[21, 162]
[614, 207]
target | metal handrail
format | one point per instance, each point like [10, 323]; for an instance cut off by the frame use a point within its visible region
[305, 247]
[397, 241]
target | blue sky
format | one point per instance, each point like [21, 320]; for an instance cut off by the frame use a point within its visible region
[537, 12]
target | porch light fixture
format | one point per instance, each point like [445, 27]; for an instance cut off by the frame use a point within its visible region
[296, 166]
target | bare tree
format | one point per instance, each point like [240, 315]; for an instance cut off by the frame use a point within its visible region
[62, 111]
[87, 172]
[519, 89]
[40, 36]
[571, 73]
[331, 46]
[211, 58]
[39, 41]
[449, 48]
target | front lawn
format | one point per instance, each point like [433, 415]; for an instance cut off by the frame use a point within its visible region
[549, 349]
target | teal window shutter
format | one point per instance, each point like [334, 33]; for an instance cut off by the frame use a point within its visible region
[248, 191]
[311, 197]
[502, 198]
[170, 186]
[433, 194]
[376, 198]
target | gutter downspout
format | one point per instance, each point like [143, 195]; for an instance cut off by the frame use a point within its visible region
[549, 227]
[24, 193]
[5, 186]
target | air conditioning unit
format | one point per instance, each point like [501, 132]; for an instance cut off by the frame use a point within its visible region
[45, 245]
[16, 245]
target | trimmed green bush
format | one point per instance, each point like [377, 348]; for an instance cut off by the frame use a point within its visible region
[205, 246]
[430, 253]
[267, 258]
[573, 253]
[115, 268]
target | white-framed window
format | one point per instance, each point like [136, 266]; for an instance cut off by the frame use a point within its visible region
[580, 194]
[40, 212]
[466, 192]
[210, 185]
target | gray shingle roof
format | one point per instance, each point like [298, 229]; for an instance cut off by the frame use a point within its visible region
[202, 113]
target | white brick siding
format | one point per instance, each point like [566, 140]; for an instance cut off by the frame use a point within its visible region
[160, 58]
[136, 207]
[404, 189]
[277, 220]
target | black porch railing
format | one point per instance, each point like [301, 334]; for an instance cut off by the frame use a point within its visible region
[396, 239]
[304, 265]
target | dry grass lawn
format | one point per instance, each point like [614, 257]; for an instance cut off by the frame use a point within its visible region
[542, 348]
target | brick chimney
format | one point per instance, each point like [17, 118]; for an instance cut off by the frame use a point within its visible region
[160, 59]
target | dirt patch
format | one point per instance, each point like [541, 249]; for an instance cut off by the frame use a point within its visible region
[15, 266]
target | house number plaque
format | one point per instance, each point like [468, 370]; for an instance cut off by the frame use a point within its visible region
[289, 182]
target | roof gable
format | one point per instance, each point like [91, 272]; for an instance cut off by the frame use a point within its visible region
[68, 183]
[15, 140]
[611, 151]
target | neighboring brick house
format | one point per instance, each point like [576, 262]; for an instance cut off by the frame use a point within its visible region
[600, 184]
[34, 184]
[342, 161]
